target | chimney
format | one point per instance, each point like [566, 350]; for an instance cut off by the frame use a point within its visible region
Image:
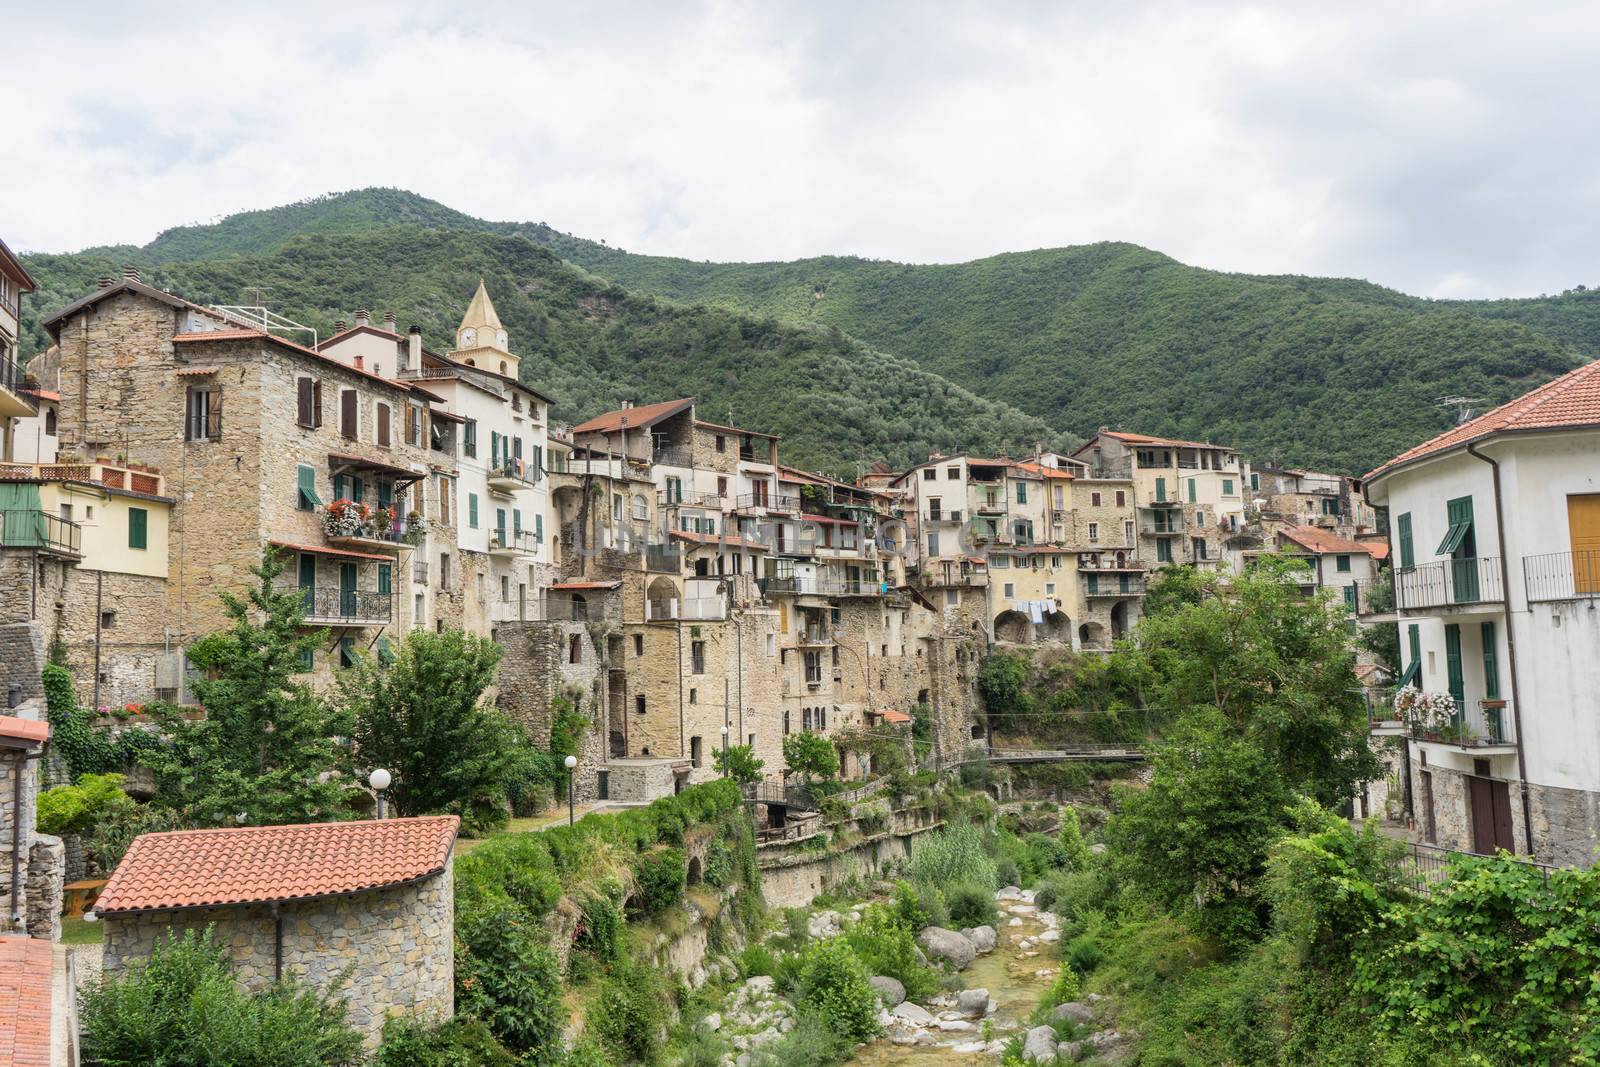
[388, 321]
[130, 273]
[338, 326]
[361, 316]
[358, 363]
[626, 404]
[104, 281]
[414, 348]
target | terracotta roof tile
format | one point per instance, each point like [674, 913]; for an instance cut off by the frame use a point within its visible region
[34, 731]
[891, 715]
[1570, 401]
[260, 864]
[585, 585]
[725, 540]
[1171, 442]
[324, 550]
[640, 415]
[1316, 539]
[212, 336]
[26, 966]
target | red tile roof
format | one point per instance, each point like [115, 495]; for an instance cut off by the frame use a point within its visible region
[1568, 402]
[261, 864]
[1146, 439]
[1316, 539]
[726, 540]
[26, 967]
[33, 731]
[45, 394]
[213, 336]
[324, 550]
[585, 585]
[1041, 469]
[638, 416]
[891, 715]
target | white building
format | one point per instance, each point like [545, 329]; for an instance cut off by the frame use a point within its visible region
[1495, 533]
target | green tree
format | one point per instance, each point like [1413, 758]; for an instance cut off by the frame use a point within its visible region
[268, 747]
[423, 718]
[811, 756]
[739, 763]
[1003, 683]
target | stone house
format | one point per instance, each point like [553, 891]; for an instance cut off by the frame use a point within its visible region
[31, 864]
[366, 908]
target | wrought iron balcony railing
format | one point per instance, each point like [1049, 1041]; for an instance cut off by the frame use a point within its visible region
[1562, 575]
[1469, 580]
[347, 606]
[40, 530]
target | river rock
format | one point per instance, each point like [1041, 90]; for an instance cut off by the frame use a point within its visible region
[983, 938]
[1014, 922]
[1010, 892]
[1040, 1045]
[915, 1014]
[954, 1026]
[759, 986]
[713, 1022]
[973, 1002]
[947, 945]
[1050, 935]
[967, 1048]
[1077, 1011]
[1070, 1051]
[890, 991]
[823, 925]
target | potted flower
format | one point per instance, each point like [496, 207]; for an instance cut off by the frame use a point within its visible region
[1428, 712]
[416, 528]
[384, 522]
[346, 518]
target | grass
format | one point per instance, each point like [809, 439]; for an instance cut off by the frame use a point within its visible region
[78, 932]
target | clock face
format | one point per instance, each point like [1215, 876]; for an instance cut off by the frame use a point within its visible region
[500, 338]
[468, 337]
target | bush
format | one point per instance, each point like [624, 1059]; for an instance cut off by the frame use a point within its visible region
[919, 906]
[73, 809]
[971, 905]
[629, 1015]
[810, 1044]
[506, 976]
[757, 961]
[108, 839]
[600, 935]
[181, 1009]
[660, 876]
[953, 856]
[1064, 988]
[1083, 953]
[459, 1042]
[833, 986]
[719, 870]
[886, 945]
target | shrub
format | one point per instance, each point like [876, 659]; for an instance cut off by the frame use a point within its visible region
[600, 934]
[1083, 953]
[506, 976]
[459, 1042]
[833, 986]
[886, 945]
[73, 809]
[719, 864]
[953, 856]
[108, 839]
[1064, 988]
[181, 1009]
[971, 905]
[660, 875]
[629, 1015]
[810, 1044]
[757, 961]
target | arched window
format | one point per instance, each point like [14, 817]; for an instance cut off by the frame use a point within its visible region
[641, 507]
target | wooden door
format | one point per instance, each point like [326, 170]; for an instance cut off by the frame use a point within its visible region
[1430, 832]
[1583, 522]
[1490, 807]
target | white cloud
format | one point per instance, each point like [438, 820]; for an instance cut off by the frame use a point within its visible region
[1442, 149]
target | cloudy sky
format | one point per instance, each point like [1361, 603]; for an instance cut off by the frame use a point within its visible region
[1447, 149]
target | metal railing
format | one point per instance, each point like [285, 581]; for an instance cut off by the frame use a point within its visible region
[702, 609]
[513, 541]
[1123, 585]
[850, 587]
[663, 559]
[12, 379]
[508, 471]
[1424, 868]
[1152, 527]
[786, 502]
[40, 530]
[1470, 580]
[1562, 575]
[670, 456]
[1472, 726]
[1367, 603]
[347, 605]
[712, 501]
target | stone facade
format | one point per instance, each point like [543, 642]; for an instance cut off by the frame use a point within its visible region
[390, 952]
[43, 859]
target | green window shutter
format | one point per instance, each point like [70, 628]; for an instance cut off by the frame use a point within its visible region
[385, 492]
[385, 653]
[538, 528]
[469, 437]
[1491, 663]
[1342, 564]
[1452, 660]
[500, 524]
[1163, 550]
[1227, 487]
[358, 489]
[1161, 489]
[1192, 494]
[536, 460]
[1094, 583]
[1255, 481]
[472, 510]
[1350, 598]
[347, 652]
[308, 571]
[385, 578]
[1414, 642]
[1022, 492]
[138, 528]
[1408, 555]
[516, 521]
[305, 659]
[1458, 539]
[306, 481]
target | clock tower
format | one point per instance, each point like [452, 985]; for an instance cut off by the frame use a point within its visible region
[481, 340]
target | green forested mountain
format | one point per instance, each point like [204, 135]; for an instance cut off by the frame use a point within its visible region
[588, 344]
[1334, 373]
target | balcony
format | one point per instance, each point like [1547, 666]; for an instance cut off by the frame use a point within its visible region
[375, 534]
[1382, 718]
[670, 456]
[531, 609]
[513, 543]
[690, 609]
[1374, 600]
[13, 404]
[986, 506]
[936, 518]
[1167, 524]
[1449, 583]
[1562, 576]
[1123, 584]
[850, 587]
[42, 532]
[347, 607]
[783, 502]
[1483, 727]
[703, 501]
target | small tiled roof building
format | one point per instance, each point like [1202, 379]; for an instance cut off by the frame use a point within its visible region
[365, 908]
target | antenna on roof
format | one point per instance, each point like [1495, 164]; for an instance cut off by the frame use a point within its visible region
[257, 290]
[1462, 404]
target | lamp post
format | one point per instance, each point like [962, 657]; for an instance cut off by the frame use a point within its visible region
[571, 762]
[379, 781]
[724, 750]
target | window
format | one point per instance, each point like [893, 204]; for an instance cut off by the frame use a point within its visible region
[447, 492]
[1255, 481]
[722, 443]
[952, 474]
[419, 609]
[472, 510]
[694, 698]
[202, 413]
[1163, 550]
[638, 705]
[108, 620]
[1011, 590]
[722, 487]
[1341, 563]
[309, 402]
[935, 508]
[385, 653]
[138, 528]
[1350, 599]
[1227, 487]
[929, 474]
[1459, 534]
[813, 667]
[383, 425]
[951, 598]
[785, 722]
[1127, 531]
[413, 424]
[1199, 519]
[1022, 492]
[1094, 531]
[306, 663]
[1193, 495]
[1199, 548]
[697, 657]
[805, 719]
[933, 544]
[1094, 499]
[505, 588]
[349, 413]
[1330, 506]
[641, 507]
[1408, 556]
[469, 438]
[347, 652]
[386, 578]
[575, 648]
[538, 529]
[1122, 498]
[444, 570]
[772, 644]
[1049, 588]
[306, 488]
[1161, 489]
[638, 644]
[1491, 663]
[695, 743]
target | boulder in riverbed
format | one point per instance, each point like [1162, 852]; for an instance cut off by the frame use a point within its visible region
[912, 1013]
[1040, 1045]
[973, 1002]
[983, 938]
[889, 990]
[1077, 1011]
[947, 945]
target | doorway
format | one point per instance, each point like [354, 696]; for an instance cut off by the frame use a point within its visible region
[1490, 803]
[1430, 832]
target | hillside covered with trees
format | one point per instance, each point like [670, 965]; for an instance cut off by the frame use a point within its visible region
[1333, 373]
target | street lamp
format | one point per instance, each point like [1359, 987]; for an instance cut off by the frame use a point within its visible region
[724, 750]
[379, 781]
[571, 762]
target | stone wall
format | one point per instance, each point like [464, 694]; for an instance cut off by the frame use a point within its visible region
[391, 951]
[43, 859]
[793, 878]
[23, 654]
[1566, 824]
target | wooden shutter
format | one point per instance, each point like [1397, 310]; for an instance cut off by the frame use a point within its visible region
[1491, 662]
[1583, 525]
[383, 425]
[347, 413]
[316, 403]
[304, 401]
[138, 528]
[1452, 660]
[1408, 554]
